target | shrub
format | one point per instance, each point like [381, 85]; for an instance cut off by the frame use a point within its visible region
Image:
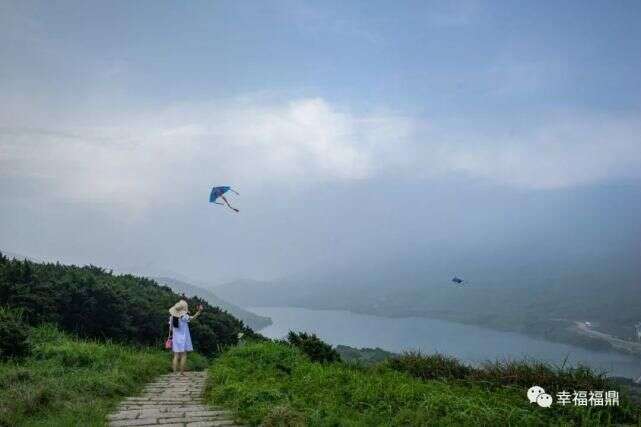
[521, 373]
[552, 378]
[14, 334]
[315, 348]
[429, 367]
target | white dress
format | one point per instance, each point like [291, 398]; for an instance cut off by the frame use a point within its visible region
[180, 337]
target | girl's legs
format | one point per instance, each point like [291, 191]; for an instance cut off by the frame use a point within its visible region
[174, 363]
[183, 362]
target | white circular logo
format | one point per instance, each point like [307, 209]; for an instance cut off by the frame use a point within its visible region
[544, 400]
[534, 392]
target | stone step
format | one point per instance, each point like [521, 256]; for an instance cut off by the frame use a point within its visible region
[171, 401]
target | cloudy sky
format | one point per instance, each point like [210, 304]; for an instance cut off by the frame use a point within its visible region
[335, 121]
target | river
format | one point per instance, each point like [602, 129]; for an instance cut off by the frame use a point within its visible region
[467, 342]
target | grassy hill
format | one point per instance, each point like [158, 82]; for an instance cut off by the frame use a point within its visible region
[252, 320]
[272, 383]
[67, 381]
[93, 303]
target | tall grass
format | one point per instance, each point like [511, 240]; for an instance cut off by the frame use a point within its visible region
[275, 384]
[67, 382]
[521, 373]
[428, 367]
[552, 378]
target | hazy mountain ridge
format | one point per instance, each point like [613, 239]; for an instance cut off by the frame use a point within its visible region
[252, 320]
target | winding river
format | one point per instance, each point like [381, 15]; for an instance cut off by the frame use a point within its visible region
[466, 342]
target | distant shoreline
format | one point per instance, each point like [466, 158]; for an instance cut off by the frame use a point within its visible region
[573, 335]
[568, 334]
[624, 346]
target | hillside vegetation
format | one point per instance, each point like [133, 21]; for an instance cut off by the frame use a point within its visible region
[363, 355]
[67, 381]
[274, 383]
[93, 303]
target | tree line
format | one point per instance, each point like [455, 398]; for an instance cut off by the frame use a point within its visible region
[94, 303]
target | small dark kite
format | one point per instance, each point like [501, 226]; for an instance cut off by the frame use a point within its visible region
[217, 192]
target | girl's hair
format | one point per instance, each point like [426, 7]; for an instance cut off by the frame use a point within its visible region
[174, 321]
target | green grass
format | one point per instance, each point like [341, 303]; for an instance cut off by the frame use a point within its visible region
[275, 384]
[523, 373]
[71, 382]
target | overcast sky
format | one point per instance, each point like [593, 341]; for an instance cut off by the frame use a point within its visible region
[116, 118]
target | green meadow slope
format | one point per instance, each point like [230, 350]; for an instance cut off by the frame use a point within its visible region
[275, 384]
[67, 381]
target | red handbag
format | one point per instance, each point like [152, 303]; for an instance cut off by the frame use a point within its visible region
[169, 342]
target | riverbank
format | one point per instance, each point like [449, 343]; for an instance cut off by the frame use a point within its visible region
[558, 330]
[617, 343]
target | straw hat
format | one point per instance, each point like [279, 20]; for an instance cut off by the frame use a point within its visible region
[179, 308]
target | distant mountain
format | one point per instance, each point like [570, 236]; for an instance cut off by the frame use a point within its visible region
[252, 320]
[256, 293]
[551, 258]
[547, 311]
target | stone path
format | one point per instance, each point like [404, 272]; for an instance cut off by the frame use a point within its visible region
[171, 401]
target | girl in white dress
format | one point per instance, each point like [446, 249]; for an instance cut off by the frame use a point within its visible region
[180, 337]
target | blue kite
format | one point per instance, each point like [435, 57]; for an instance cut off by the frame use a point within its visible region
[217, 192]
[458, 281]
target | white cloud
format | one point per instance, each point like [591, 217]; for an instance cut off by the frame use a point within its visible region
[566, 150]
[134, 161]
[164, 153]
